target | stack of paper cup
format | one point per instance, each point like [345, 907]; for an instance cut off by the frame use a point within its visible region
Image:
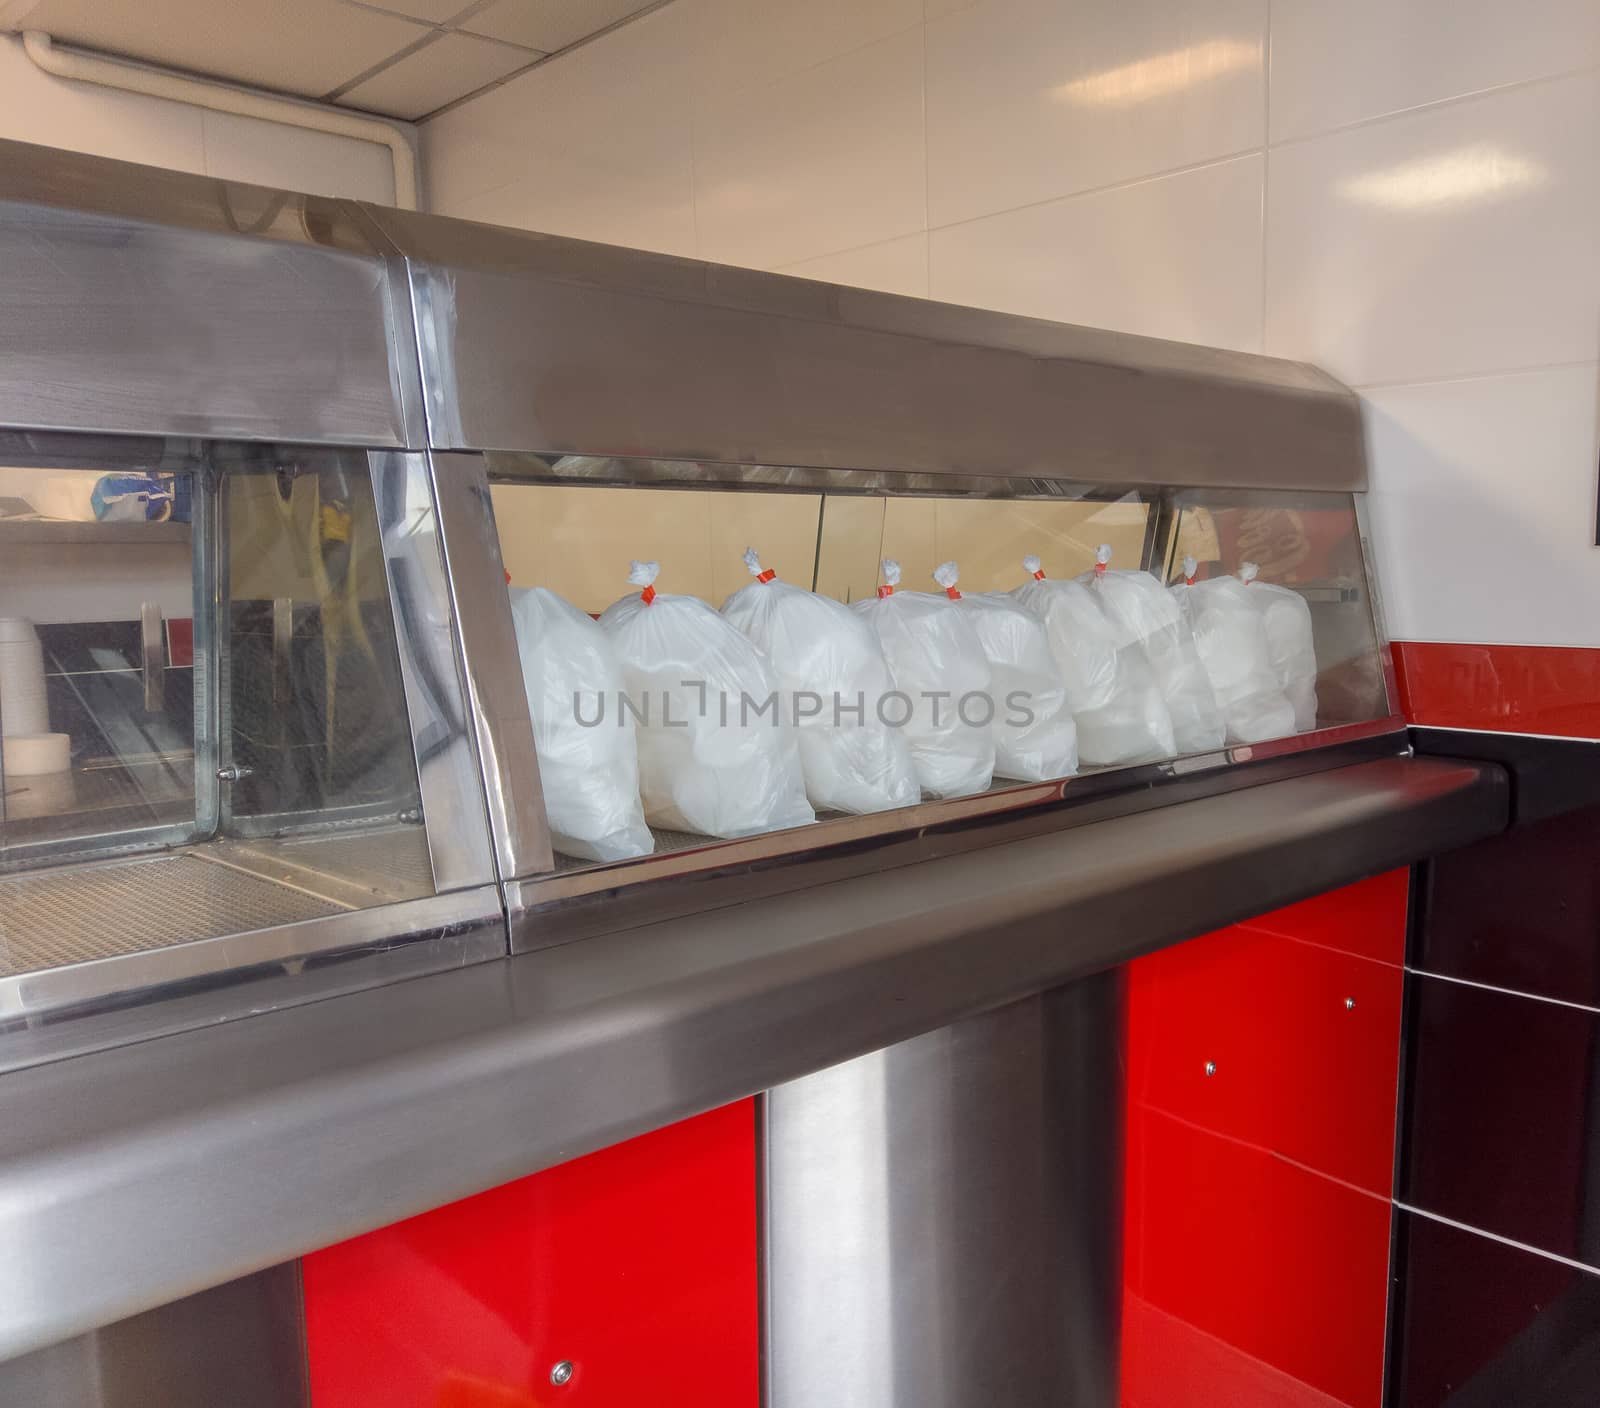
[22, 699]
[34, 754]
[29, 748]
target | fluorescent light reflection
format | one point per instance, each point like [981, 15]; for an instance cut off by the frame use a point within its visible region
[1478, 173]
[1161, 74]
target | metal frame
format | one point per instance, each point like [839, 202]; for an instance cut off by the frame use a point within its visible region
[443, 723]
[209, 545]
[1380, 625]
[535, 342]
[186, 305]
[27, 997]
[489, 664]
[558, 908]
[651, 472]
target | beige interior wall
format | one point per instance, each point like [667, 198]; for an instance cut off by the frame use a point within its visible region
[990, 537]
[578, 540]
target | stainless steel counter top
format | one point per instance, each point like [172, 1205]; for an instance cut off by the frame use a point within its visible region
[133, 1176]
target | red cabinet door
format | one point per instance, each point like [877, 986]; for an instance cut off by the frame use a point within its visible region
[1262, 1071]
[634, 1270]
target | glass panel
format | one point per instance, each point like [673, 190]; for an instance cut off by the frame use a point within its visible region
[315, 724]
[98, 673]
[1309, 545]
[1201, 656]
[215, 647]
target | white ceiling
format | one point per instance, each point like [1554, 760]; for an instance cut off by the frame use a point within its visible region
[404, 58]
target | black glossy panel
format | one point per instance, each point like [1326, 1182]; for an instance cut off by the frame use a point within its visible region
[1519, 911]
[1480, 1324]
[1548, 775]
[1503, 1122]
[71, 647]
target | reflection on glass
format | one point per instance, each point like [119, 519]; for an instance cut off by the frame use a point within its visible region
[1310, 545]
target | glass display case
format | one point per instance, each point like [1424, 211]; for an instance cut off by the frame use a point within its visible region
[327, 529]
[203, 700]
[574, 525]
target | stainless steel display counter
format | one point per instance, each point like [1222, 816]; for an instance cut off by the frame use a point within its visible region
[132, 1177]
[289, 950]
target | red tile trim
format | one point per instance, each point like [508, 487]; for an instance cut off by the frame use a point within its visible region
[1506, 688]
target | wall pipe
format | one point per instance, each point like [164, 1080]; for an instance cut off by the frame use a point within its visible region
[154, 83]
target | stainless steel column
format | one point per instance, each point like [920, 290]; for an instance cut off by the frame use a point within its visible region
[943, 1217]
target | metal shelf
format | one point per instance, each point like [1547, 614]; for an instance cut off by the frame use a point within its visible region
[109, 909]
[23, 532]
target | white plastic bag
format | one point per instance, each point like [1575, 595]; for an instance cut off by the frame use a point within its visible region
[1115, 702]
[1231, 636]
[942, 680]
[716, 756]
[833, 677]
[1034, 736]
[1289, 639]
[1147, 619]
[588, 758]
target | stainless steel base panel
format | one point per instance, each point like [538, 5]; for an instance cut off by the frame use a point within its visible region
[943, 1217]
[238, 1345]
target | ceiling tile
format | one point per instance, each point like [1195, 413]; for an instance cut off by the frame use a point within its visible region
[550, 24]
[430, 11]
[294, 46]
[452, 66]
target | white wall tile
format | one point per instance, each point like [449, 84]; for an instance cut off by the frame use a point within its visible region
[1483, 507]
[296, 159]
[34, 107]
[1177, 256]
[564, 202]
[895, 266]
[745, 44]
[1339, 63]
[1456, 240]
[829, 159]
[1031, 99]
[595, 144]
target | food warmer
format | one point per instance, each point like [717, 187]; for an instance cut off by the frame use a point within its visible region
[269, 462]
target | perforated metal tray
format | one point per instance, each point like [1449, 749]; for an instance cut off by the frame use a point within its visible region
[80, 913]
